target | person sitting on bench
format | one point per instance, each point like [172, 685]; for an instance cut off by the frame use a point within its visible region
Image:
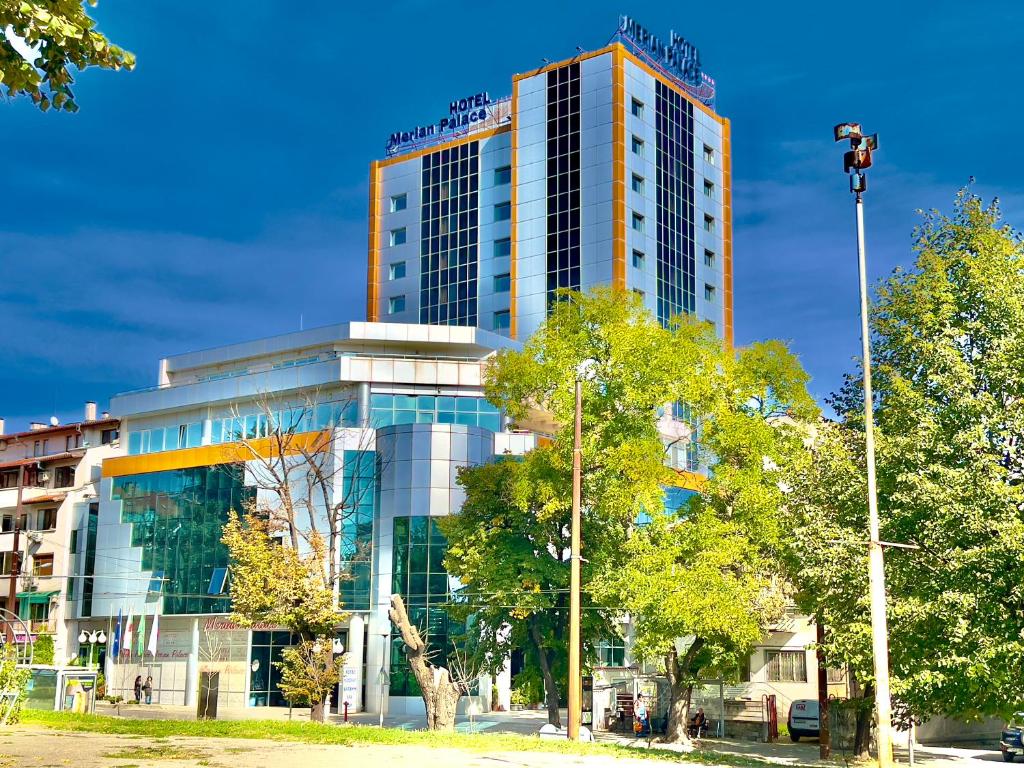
[698, 724]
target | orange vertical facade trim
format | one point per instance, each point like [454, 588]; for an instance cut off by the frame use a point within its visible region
[618, 168]
[513, 272]
[727, 270]
[373, 247]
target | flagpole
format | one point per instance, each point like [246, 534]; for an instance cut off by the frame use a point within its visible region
[106, 656]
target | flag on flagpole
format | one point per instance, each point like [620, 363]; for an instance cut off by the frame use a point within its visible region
[140, 644]
[153, 635]
[116, 648]
[126, 637]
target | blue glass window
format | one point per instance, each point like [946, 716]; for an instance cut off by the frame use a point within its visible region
[418, 575]
[675, 215]
[176, 519]
[449, 220]
[562, 222]
[218, 581]
[386, 410]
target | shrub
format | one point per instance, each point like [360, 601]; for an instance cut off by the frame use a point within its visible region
[13, 679]
[42, 650]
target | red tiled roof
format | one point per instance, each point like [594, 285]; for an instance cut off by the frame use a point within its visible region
[74, 426]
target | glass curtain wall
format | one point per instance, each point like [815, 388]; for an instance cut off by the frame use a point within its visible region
[563, 179]
[449, 216]
[177, 517]
[420, 578]
[676, 265]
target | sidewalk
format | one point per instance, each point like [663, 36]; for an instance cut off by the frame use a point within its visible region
[521, 722]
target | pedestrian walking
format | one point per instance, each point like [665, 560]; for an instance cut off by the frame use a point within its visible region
[148, 688]
[642, 726]
[138, 689]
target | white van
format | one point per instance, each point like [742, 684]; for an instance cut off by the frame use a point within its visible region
[803, 719]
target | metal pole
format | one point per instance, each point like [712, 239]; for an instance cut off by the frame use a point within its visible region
[383, 681]
[879, 630]
[575, 679]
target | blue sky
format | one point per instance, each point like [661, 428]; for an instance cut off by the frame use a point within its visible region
[219, 191]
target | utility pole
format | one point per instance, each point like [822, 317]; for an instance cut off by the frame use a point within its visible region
[855, 162]
[575, 675]
[824, 732]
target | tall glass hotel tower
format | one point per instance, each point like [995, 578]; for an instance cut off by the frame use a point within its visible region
[609, 168]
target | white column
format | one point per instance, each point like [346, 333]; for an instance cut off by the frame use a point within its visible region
[505, 685]
[363, 404]
[207, 438]
[248, 667]
[352, 674]
[192, 668]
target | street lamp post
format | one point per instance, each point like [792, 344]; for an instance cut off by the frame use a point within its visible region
[93, 639]
[855, 162]
[575, 674]
[383, 678]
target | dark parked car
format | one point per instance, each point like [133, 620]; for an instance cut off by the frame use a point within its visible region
[1011, 741]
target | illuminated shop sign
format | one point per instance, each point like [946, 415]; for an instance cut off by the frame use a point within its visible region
[678, 57]
[462, 113]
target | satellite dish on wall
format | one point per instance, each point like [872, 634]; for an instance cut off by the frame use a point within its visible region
[54, 421]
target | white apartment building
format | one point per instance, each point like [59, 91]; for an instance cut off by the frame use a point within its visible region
[49, 497]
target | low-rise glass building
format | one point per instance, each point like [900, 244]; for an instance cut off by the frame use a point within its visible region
[402, 407]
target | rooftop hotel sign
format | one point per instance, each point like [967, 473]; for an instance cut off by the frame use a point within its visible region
[678, 57]
[468, 114]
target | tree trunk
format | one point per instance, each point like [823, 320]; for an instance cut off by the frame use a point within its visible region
[550, 686]
[680, 674]
[318, 709]
[440, 693]
[316, 712]
[446, 700]
[679, 714]
[862, 735]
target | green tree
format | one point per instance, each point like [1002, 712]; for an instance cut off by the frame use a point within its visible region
[285, 587]
[508, 547]
[290, 549]
[62, 36]
[948, 364]
[509, 544]
[705, 582]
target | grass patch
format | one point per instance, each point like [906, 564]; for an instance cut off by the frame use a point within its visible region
[354, 735]
[161, 752]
